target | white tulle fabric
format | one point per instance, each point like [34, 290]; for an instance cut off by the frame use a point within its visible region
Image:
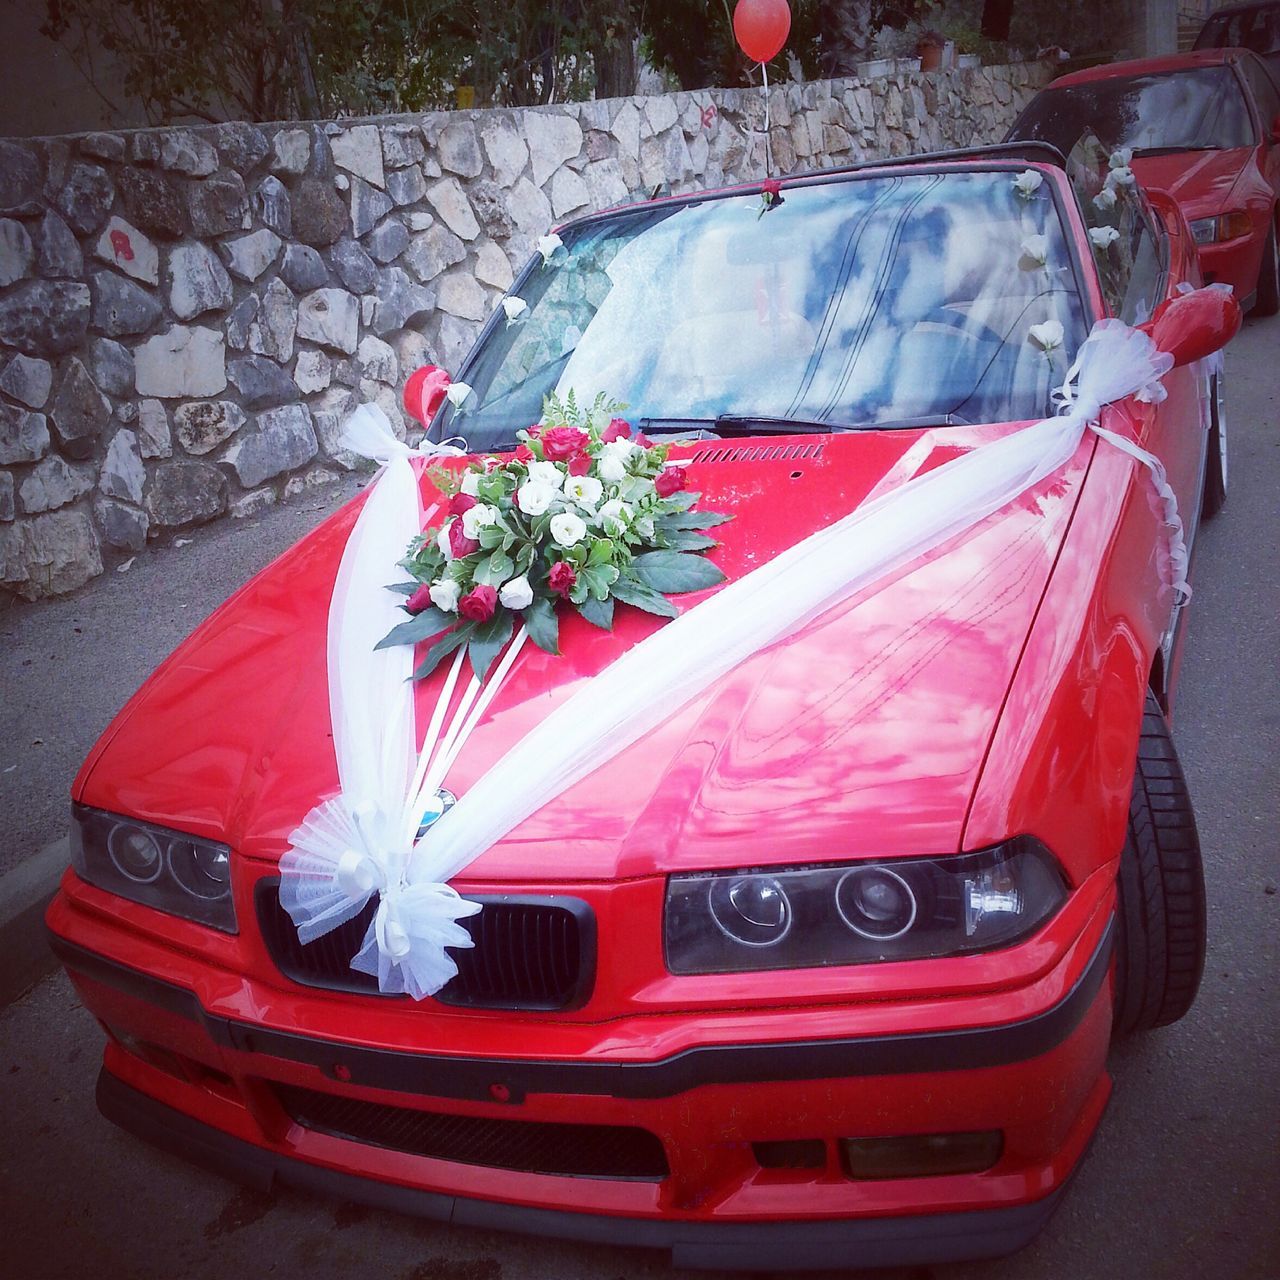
[355, 845]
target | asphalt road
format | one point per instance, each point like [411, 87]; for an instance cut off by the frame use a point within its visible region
[1184, 1177]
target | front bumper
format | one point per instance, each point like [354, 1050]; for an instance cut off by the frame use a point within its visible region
[193, 1078]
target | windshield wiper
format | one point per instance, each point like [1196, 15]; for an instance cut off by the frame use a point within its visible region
[749, 424]
[1141, 153]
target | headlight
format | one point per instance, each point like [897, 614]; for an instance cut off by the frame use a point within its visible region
[168, 870]
[1227, 226]
[856, 913]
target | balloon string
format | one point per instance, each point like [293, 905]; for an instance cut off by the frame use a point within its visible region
[768, 150]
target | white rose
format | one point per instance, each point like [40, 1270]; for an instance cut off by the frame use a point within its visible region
[515, 308]
[1106, 198]
[470, 483]
[516, 594]
[567, 529]
[584, 490]
[1035, 249]
[611, 468]
[478, 517]
[1122, 177]
[547, 246]
[442, 540]
[1120, 158]
[547, 473]
[1103, 237]
[457, 392]
[1027, 183]
[444, 594]
[1047, 336]
[533, 498]
[614, 516]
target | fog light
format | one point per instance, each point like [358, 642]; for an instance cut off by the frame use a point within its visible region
[795, 1153]
[921, 1155]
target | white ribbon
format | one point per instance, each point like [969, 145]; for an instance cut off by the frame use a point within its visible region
[418, 912]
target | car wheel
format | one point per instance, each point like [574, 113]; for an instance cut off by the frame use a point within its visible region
[1215, 464]
[1268, 299]
[1160, 940]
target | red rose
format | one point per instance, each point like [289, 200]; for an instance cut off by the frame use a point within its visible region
[421, 599]
[524, 453]
[670, 480]
[562, 579]
[459, 544]
[478, 604]
[580, 465]
[534, 431]
[618, 429]
[562, 443]
[771, 188]
[460, 502]
[643, 441]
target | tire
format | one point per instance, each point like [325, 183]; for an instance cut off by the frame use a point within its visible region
[1160, 940]
[1215, 464]
[1267, 302]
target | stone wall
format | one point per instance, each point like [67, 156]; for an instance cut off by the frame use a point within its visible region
[188, 315]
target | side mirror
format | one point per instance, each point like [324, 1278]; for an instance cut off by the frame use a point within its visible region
[1195, 324]
[424, 392]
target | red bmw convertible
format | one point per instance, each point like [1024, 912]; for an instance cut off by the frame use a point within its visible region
[824, 968]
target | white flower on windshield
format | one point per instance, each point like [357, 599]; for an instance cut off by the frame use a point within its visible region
[1120, 158]
[586, 491]
[547, 473]
[533, 498]
[1035, 252]
[1027, 183]
[1103, 237]
[1047, 335]
[1122, 177]
[548, 246]
[444, 594]
[1105, 199]
[517, 593]
[515, 308]
[457, 392]
[478, 517]
[568, 529]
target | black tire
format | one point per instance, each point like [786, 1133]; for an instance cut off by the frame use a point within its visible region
[1267, 301]
[1160, 940]
[1214, 497]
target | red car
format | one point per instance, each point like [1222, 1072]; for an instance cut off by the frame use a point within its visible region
[824, 969]
[1203, 126]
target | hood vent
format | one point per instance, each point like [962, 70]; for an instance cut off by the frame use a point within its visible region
[758, 453]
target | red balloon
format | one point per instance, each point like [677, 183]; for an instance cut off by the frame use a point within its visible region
[761, 27]
[424, 392]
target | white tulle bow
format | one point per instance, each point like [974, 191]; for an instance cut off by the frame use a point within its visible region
[365, 840]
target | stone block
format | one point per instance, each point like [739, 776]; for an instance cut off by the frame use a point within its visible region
[318, 213]
[368, 207]
[271, 206]
[53, 483]
[185, 152]
[354, 267]
[8, 508]
[530, 210]
[197, 282]
[399, 301]
[240, 320]
[21, 177]
[406, 186]
[450, 202]
[260, 382]
[507, 151]
[240, 146]
[490, 203]
[401, 146]
[290, 151]
[312, 372]
[154, 202]
[249, 256]
[387, 241]
[183, 362]
[17, 257]
[552, 138]
[377, 360]
[44, 317]
[302, 268]
[182, 493]
[202, 425]
[57, 250]
[79, 411]
[282, 440]
[459, 295]
[122, 526]
[330, 317]
[49, 555]
[272, 333]
[86, 197]
[358, 150]
[27, 379]
[122, 474]
[154, 439]
[458, 149]
[492, 267]
[24, 436]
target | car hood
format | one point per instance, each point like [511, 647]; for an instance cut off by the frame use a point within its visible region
[862, 734]
[1200, 181]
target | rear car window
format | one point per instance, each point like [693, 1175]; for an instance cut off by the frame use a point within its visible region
[1256, 29]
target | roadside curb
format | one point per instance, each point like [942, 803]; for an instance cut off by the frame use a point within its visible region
[25, 891]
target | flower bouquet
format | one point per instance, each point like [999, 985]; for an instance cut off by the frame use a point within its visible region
[584, 515]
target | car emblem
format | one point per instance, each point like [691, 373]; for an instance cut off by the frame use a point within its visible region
[437, 807]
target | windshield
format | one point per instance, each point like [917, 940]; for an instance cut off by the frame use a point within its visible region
[1197, 110]
[878, 299]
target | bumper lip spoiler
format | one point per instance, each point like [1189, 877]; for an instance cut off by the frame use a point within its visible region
[913, 1239]
[443, 1076]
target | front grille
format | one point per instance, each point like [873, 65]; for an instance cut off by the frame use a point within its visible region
[572, 1150]
[533, 953]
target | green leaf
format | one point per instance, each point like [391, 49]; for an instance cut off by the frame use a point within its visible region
[598, 579]
[598, 612]
[687, 540]
[487, 640]
[692, 520]
[491, 536]
[403, 588]
[501, 567]
[543, 624]
[675, 571]
[422, 626]
[633, 592]
[441, 649]
[601, 551]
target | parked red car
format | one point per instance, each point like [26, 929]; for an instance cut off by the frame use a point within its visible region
[1245, 26]
[824, 971]
[1204, 126]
